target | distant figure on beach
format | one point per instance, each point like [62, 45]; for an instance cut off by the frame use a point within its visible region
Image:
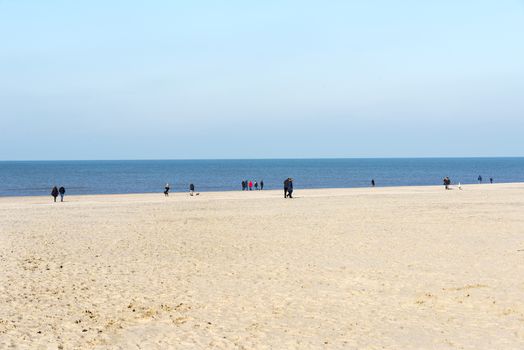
[261, 185]
[54, 192]
[480, 179]
[447, 182]
[191, 189]
[373, 183]
[61, 191]
[490, 180]
[250, 185]
[256, 185]
[166, 190]
[290, 188]
[243, 185]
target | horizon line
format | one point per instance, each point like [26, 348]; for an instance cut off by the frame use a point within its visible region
[227, 159]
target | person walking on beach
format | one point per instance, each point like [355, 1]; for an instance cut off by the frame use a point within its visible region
[372, 182]
[261, 185]
[243, 185]
[480, 179]
[490, 180]
[61, 191]
[166, 190]
[54, 193]
[191, 189]
[250, 185]
[256, 185]
[286, 186]
[290, 188]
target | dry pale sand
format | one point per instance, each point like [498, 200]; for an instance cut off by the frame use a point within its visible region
[393, 268]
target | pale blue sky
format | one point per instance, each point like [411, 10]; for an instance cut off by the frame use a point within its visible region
[265, 79]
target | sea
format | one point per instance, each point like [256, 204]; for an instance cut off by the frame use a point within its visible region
[34, 178]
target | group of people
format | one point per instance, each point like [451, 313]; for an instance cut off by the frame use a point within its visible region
[167, 188]
[447, 182]
[479, 179]
[55, 192]
[249, 185]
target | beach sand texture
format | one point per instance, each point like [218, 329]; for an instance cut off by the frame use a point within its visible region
[394, 268]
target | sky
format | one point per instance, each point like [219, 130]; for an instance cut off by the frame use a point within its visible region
[265, 79]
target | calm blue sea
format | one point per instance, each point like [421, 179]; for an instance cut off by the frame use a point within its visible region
[100, 177]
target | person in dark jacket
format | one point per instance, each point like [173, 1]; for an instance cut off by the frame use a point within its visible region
[256, 185]
[61, 191]
[54, 192]
[286, 185]
[261, 185]
[447, 182]
[191, 189]
[373, 182]
[166, 190]
[290, 188]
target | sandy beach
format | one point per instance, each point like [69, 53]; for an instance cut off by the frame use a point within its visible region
[371, 268]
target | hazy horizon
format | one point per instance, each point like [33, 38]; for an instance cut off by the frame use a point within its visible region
[252, 159]
[273, 80]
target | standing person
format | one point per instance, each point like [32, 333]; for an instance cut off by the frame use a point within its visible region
[290, 188]
[166, 190]
[243, 185]
[61, 191]
[480, 179]
[256, 185]
[372, 182]
[490, 180]
[447, 182]
[54, 192]
[286, 185]
[191, 189]
[261, 185]
[250, 185]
